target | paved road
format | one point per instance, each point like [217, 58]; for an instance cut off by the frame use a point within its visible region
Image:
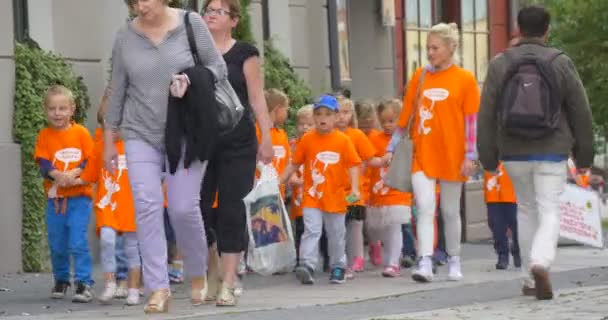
[281, 297]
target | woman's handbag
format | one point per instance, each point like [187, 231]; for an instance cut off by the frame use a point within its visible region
[230, 110]
[399, 175]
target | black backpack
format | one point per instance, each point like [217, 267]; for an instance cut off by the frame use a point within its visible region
[530, 99]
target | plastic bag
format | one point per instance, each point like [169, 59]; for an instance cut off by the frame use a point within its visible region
[271, 241]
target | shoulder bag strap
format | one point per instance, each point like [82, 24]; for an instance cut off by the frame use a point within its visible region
[416, 103]
[191, 41]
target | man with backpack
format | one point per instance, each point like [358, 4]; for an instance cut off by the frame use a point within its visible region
[535, 113]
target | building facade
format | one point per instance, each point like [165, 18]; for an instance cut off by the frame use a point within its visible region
[368, 46]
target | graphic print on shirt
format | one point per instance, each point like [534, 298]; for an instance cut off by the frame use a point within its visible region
[493, 181]
[426, 113]
[318, 168]
[111, 185]
[66, 156]
[279, 154]
[379, 187]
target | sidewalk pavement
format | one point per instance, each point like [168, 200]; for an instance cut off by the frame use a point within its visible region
[590, 303]
[27, 297]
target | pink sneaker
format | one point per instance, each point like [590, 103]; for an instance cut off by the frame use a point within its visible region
[391, 272]
[375, 253]
[358, 264]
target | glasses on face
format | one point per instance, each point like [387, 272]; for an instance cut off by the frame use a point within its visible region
[216, 12]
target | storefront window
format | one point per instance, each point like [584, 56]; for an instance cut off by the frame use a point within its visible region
[418, 21]
[21, 23]
[475, 37]
[339, 47]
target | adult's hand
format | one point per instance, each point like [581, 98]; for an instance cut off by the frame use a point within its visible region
[110, 155]
[265, 150]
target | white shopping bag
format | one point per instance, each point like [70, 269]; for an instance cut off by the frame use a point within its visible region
[271, 242]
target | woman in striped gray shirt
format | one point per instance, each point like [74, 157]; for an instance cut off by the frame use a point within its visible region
[148, 52]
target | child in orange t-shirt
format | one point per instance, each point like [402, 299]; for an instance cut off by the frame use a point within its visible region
[347, 123]
[115, 213]
[389, 208]
[502, 216]
[278, 108]
[62, 151]
[304, 123]
[329, 158]
[368, 123]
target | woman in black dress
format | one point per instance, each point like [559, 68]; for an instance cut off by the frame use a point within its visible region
[231, 173]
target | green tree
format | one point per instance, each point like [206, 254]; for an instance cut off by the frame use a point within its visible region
[243, 30]
[579, 29]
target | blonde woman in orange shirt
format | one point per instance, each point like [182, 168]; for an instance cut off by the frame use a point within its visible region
[443, 133]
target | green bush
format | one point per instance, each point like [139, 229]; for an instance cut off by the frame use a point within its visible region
[35, 71]
[279, 74]
[243, 29]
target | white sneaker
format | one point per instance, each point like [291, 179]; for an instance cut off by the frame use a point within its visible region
[454, 270]
[133, 297]
[108, 293]
[121, 292]
[424, 270]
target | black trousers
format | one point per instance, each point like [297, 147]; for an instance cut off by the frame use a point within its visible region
[230, 174]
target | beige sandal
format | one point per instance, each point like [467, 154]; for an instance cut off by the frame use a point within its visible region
[159, 302]
[226, 298]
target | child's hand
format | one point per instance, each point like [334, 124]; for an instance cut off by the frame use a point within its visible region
[387, 158]
[295, 181]
[354, 196]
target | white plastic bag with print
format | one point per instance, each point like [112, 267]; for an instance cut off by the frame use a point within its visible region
[271, 244]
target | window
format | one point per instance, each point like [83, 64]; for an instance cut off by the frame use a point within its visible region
[475, 37]
[339, 39]
[21, 23]
[418, 22]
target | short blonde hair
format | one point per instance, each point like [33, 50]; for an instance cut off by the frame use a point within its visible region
[274, 98]
[348, 102]
[58, 90]
[305, 111]
[365, 109]
[448, 32]
[394, 104]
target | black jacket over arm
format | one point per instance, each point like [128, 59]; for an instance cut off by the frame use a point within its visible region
[192, 120]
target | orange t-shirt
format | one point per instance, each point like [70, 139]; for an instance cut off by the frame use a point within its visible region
[438, 131]
[499, 188]
[113, 204]
[382, 195]
[282, 151]
[297, 192]
[366, 177]
[366, 151]
[66, 150]
[326, 159]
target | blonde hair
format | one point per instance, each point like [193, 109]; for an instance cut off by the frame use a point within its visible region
[274, 98]
[365, 109]
[448, 32]
[58, 90]
[394, 104]
[347, 102]
[305, 111]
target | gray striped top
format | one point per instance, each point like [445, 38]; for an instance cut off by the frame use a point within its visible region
[142, 73]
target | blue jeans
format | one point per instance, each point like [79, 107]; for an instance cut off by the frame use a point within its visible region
[122, 266]
[68, 236]
[409, 241]
[502, 217]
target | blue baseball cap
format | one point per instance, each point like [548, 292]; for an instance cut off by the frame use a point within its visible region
[327, 101]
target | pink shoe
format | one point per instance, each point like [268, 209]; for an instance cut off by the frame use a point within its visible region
[391, 272]
[375, 253]
[358, 264]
